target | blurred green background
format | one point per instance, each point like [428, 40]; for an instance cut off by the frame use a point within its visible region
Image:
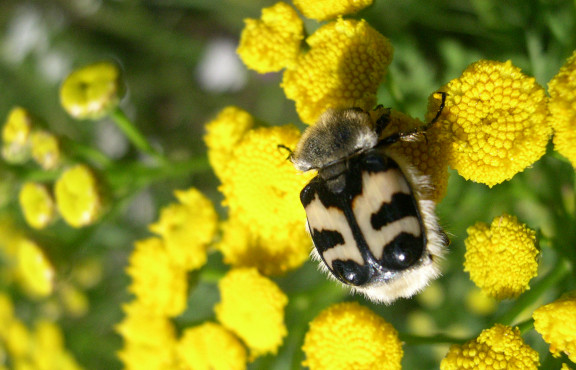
[179, 64]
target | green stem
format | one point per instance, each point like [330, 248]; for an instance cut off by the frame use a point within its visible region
[134, 135]
[411, 339]
[85, 152]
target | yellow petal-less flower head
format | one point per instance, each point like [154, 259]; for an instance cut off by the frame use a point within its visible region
[350, 336]
[93, 91]
[345, 65]
[272, 42]
[16, 135]
[562, 108]
[252, 307]
[45, 149]
[78, 196]
[34, 271]
[322, 10]
[494, 122]
[158, 282]
[202, 348]
[502, 257]
[500, 347]
[47, 350]
[223, 134]
[556, 322]
[261, 188]
[187, 228]
[37, 205]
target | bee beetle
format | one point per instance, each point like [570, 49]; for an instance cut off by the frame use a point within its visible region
[372, 229]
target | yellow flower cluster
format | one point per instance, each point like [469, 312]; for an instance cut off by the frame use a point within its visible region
[502, 258]
[350, 336]
[562, 107]
[556, 322]
[494, 123]
[500, 347]
[322, 10]
[37, 205]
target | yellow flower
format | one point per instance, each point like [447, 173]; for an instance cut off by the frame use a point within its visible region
[502, 258]
[479, 303]
[322, 10]
[35, 273]
[562, 106]
[73, 299]
[556, 322]
[345, 65]
[6, 314]
[211, 347]
[494, 122]
[45, 149]
[350, 336]
[37, 205]
[252, 306]
[223, 134]
[15, 136]
[48, 350]
[16, 338]
[157, 281]
[78, 196]
[187, 228]
[272, 42]
[500, 347]
[93, 91]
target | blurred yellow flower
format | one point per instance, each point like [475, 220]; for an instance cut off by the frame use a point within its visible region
[16, 135]
[261, 188]
[480, 303]
[345, 65]
[223, 133]
[322, 10]
[37, 205]
[16, 338]
[73, 299]
[502, 258]
[272, 42]
[157, 281]
[494, 123]
[78, 196]
[47, 349]
[6, 313]
[35, 273]
[500, 347]
[562, 107]
[350, 336]
[252, 306]
[210, 347]
[556, 322]
[93, 91]
[187, 228]
[45, 149]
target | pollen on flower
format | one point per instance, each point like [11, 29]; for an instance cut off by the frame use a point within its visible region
[500, 347]
[157, 282]
[562, 107]
[556, 322]
[272, 42]
[501, 258]
[322, 10]
[45, 149]
[37, 205]
[350, 336]
[187, 228]
[201, 347]
[345, 65]
[223, 134]
[15, 136]
[252, 306]
[494, 122]
[266, 219]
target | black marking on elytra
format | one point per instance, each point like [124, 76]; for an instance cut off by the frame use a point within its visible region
[351, 272]
[403, 252]
[326, 239]
[401, 205]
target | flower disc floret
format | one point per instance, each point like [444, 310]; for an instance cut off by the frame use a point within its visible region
[345, 65]
[494, 122]
[322, 10]
[556, 322]
[350, 336]
[501, 258]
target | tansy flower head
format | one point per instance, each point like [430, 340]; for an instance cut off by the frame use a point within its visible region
[350, 336]
[272, 42]
[562, 107]
[502, 258]
[322, 10]
[494, 122]
[34, 271]
[78, 196]
[187, 228]
[15, 136]
[261, 188]
[345, 65]
[157, 281]
[202, 347]
[500, 347]
[252, 306]
[37, 205]
[556, 322]
[223, 134]
[45, 149]
[93, 91]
